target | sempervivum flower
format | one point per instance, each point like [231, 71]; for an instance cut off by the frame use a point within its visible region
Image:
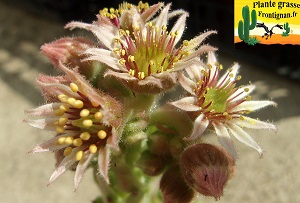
[217, 101]
[86, 121]
[144, 55]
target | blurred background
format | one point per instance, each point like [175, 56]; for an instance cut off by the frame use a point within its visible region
[25, 25]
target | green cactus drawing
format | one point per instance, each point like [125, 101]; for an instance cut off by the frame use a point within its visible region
[244, 27]
[287, 30]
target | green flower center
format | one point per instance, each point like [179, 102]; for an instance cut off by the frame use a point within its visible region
[217, 99]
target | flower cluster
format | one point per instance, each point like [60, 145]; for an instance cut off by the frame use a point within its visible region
[107, 107]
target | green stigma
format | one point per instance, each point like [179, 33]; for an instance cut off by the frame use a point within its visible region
[217, 97]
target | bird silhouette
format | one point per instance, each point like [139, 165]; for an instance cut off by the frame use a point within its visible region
[268, 33]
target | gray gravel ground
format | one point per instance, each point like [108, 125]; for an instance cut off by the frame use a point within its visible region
[23, 177]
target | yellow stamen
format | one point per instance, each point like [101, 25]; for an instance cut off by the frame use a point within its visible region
[102, 134]
[68, 140]
[73, 87]
[78, 104]
[59, 112]
[94, 104]
[67, 151]
[185, 43]
[71, 101]
[93, 149]
[62, 121]
[246, 89]
[85, 136]
[98, 115]
[77, 142]
[79, 155]
[84, 113]
[141, 75]
[61, 140]
[62, 98]
[131, 58]
[87, 123]
[64, 107]
[60, 129]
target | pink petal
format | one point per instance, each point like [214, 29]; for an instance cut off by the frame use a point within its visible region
[195, 42]
[187, 84]
[244, 137]
[225, 139]
[44, 123]
[241, 93]
[151, 81]
[200, 126]
[104, 32]
[151, 11]
[233, 72]
[179, 27]
[65, 164]
[248, 122]
[49, 145]
[252, 105]
[186, 104]
[201, 50]
[44, 110]
[162, 19]
[103, 162]
[123, 76]
[81, 168]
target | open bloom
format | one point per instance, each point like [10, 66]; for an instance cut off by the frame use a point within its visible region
[86, 121]
[217, 101]
[143, 53]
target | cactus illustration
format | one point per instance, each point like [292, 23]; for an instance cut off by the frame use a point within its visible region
[244, 27]
[287, 30]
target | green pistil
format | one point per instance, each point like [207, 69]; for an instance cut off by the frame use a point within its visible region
[217, 97]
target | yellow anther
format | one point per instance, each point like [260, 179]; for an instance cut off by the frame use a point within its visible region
[127, 32]
[116, 50]
[60, 129]
[98, 115]
[151, 62]
[62, 121]
[231, 75]
[93, 149]
[61, 140]
[242, 118]
[79, 155]
[77, 142]
[175, 59]
[150, 24]
[62, 98]
[102, 134]
[59, 112]
[71, 101]
[141, 75]
[217, 63]
[64, 107]
[185, 42]
[225, 114]
[246, 89]
[87, 123]
[78, 104]
[131, 58]
[73, 87]
[131, 72]
[84, 113]
[209, 66]
[67, 151]
[117, 40]
[123, 52]
[112, 10]
[85, 136]
[122, 61]
[68, 140]
[172, 34]
[164, 27]
[239, 77]
[248, 98]
[176, 33]
[94, 104]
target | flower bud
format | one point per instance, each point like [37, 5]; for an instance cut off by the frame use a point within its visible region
[173, 187]
[151, 164]
[206, 168]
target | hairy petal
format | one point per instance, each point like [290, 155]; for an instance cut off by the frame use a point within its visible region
[195, 42]
[248, 122]
[244, 137]
[103, 162]
[151, 11]
[225, 139]
[186, 104]
[162, 19]
[200, 126]
[241, 93]
[44, 110]
[187, 84]
[252, 105]
[48, 146]
[81, 168]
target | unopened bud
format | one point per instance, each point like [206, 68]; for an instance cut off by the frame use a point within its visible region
[151, 164]
[206, 168]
